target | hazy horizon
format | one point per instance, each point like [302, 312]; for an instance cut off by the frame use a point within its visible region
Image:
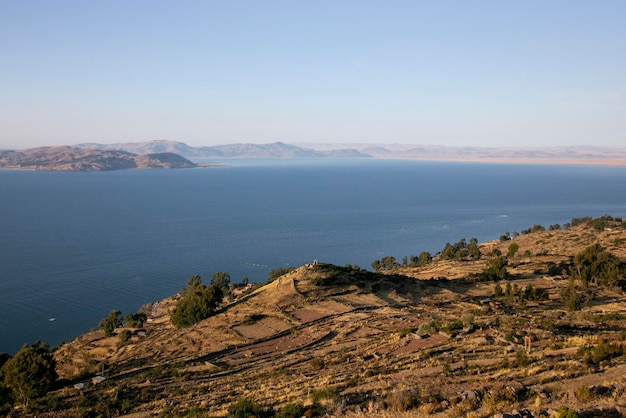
[451, 73]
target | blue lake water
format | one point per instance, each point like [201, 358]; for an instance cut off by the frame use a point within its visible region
[74, 246]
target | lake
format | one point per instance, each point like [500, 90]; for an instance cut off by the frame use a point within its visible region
[74, 246]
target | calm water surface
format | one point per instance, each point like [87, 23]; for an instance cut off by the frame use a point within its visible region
[73, 246]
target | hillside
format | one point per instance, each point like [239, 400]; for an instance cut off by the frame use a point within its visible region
[271, 150]
[79, 159]
[325, 340]
[545, 155]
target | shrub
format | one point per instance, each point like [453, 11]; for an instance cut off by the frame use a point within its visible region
[565, 412]
[292, 410]
[571, 297]
[495, 270]
[325, 394]
[426, 328]
[124, 336]
[401, 401]
[583, 393]
[521, 358]
[247, 408]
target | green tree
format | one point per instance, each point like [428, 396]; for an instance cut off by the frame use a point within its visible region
[31, 373]
[135, 320]
[388, 262]
[473, 252]
[424, 258]
[376, 265]
[111, 322]
[571, 297]
[513, 248]
[195, 306]
[596, 265]
[192, 283]
[495, 269]
[497, 291]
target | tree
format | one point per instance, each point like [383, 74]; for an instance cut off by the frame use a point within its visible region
[513, 248]
[473, 250]
[495, 269]
[196, 306]
[571, 297]
[596, 265]
[135, 320]
[192, 283]
[376, 265]
[497, 291]
[31, 373]
[111, 322]
[388, 262]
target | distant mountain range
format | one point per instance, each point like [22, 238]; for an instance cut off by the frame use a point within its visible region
[173, 154]
[571, 154]
[65, 158]
[272, 150]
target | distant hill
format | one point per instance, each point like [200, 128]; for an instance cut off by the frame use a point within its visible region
[271, 150]
[548, 155]
[79, 159]
[566, 154]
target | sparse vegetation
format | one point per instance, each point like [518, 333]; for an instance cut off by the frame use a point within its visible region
[108, 324]
[30, 374]
[414, 339]
[197, 303]
[461, 250]
[496, 269]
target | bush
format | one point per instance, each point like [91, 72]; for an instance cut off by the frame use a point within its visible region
[513, 248]
[124, 336]
[401, 401]
[325, 394]
[495, 270]
[292, 410]
[571, 297]
[565, 412]
[426, 328]
[247, 408]
[521, 358]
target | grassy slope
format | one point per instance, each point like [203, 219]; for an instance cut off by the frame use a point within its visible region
[322, 331]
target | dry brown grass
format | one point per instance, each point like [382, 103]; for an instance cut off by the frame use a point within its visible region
[364, 344]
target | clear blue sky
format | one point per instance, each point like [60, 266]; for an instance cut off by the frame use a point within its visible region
[485, 73]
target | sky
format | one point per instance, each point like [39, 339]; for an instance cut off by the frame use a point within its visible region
[456, 73]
